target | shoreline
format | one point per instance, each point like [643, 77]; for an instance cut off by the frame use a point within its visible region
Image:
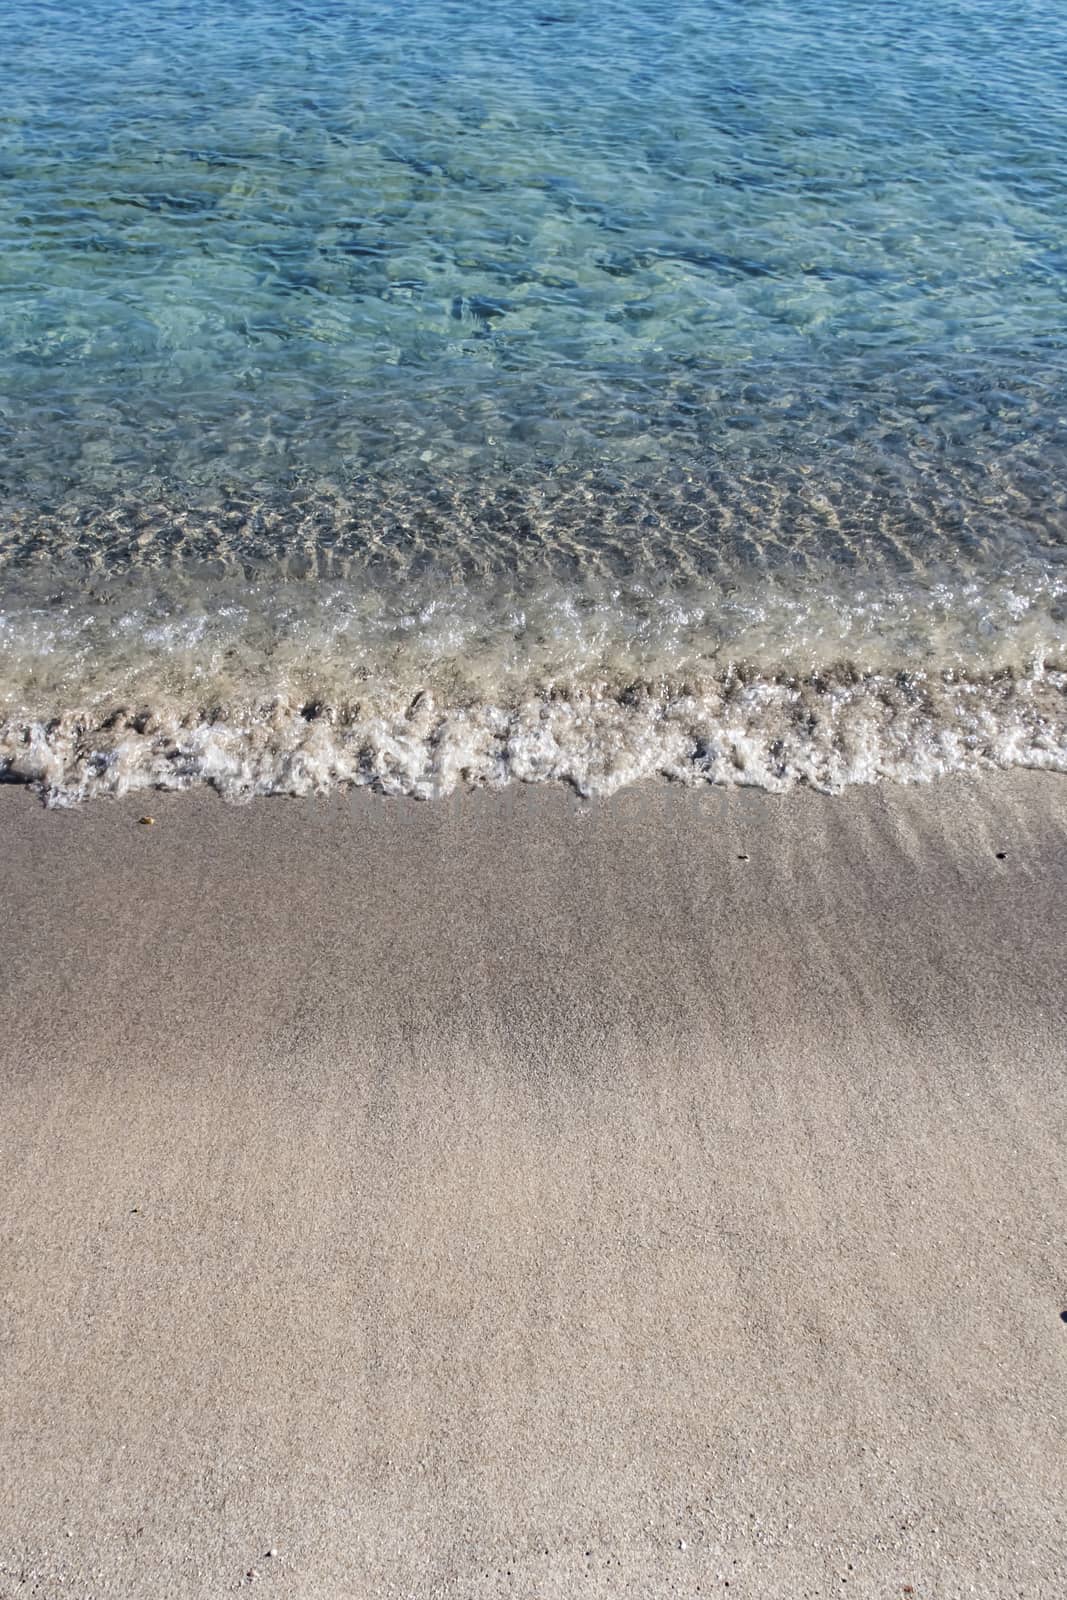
[514, 1195]
[421, 685]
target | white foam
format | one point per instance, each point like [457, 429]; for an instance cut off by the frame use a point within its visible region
[298, 688]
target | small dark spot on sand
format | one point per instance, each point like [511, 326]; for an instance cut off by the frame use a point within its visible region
[1002, 855]
[742, 856]
[1063, 1316]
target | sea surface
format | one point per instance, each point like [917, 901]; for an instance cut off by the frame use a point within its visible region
[429, 392]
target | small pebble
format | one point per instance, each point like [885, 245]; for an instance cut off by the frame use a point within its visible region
[742, 856]
[147, 822]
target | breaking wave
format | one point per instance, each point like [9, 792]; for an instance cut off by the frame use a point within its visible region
[301, 686]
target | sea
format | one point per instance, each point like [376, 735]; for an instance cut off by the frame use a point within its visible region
[434, 393]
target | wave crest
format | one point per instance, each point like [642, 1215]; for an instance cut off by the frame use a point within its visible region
[827, 731]
[298, 688]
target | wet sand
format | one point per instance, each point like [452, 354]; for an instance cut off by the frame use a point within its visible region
[510, 1197]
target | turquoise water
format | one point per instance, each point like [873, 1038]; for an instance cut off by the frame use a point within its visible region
[423, 393]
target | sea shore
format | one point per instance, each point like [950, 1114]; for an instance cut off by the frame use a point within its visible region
[511, 1196]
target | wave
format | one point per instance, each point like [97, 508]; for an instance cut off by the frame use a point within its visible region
[275, 687]
[827, 732]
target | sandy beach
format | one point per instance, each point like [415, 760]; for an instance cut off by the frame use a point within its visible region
[510, 1196]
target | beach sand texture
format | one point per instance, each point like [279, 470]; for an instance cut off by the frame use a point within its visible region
[502, 1196]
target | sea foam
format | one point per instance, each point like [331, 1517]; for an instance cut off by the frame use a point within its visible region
[299, 687]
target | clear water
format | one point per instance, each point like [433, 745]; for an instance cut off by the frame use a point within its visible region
[421, 393]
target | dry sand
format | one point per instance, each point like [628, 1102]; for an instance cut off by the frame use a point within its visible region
[506, 1197]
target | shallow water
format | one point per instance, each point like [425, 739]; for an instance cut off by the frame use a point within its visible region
[423, 393]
